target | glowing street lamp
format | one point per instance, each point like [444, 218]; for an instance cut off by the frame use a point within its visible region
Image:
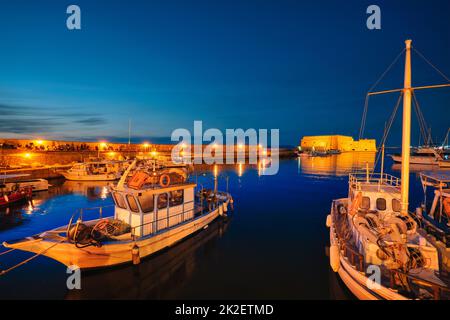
[103, 146]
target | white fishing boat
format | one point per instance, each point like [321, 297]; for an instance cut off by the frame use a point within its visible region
[375, 245]
[95, 171]
[15, 181]
[422, 155]
[153, 210]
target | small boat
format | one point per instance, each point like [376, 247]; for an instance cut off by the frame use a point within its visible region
[95, 171]
[422, 155]
[375, 243]
[35, 184]
[153, 210]
[15, 195]
[435, 216]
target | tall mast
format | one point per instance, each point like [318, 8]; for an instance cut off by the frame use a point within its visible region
[406, 131]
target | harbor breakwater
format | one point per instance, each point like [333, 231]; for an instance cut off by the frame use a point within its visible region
[45, 160]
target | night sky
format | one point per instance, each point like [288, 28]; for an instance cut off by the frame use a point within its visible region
[301, 66]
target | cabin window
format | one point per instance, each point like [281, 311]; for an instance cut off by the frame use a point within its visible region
[365, 203]
[396, 205]
[132, 203]
[162, 201]
[118, 199]
[381, 204]
[147, 203]
[176, 197]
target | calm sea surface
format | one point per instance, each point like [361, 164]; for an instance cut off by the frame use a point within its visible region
[273, 246]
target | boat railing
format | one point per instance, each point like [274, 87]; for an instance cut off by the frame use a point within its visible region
[100, 211]
[195, 211]
[359, 179]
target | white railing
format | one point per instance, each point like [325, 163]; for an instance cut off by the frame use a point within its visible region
[359, 179]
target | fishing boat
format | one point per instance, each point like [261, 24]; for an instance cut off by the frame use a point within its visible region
[422, 155]
[95, 171]
[153, 210]
[375, 245]
[14, 181]
[9, 196]
[435, 216]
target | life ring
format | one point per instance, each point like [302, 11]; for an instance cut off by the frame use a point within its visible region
[164, 180]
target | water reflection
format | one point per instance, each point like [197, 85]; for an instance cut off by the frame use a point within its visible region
[157, 277]
[336, 165]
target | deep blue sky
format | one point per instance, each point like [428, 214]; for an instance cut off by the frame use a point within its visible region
[300, 66]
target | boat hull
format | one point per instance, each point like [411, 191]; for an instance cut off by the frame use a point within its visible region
[16, 197]
[113, 253]
[416, 160]
[356, 281]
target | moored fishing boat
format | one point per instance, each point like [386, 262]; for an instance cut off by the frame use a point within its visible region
[376, 247]
[95, 171]
[153, 210]
[422, 155]
[15, 195]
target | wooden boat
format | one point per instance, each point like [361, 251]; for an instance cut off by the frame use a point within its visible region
[422, 155]
[95, 171]
[152, 211]
[375, 245]
[36, 185]
[16, 195]
[435, 216]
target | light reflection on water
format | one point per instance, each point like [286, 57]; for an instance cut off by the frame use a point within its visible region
[272, 246]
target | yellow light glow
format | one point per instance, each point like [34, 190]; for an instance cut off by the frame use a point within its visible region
[260, 146]
[154, 153]
[240, 171]
[111, 153]
[39, 142]
[182, 153]
[215, 170]
[214, 146]
[146, 145]
[264, 152]
[27, 155]
[240, 145]
[103, 145]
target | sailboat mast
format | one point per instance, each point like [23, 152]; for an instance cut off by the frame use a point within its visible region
[406, 131]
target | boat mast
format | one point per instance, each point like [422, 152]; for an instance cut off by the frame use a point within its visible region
[406, 131]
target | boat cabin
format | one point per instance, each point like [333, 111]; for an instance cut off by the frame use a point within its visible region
[153, 209]
[374, 193]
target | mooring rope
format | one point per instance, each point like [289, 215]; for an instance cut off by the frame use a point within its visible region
[7, 251]
[3, 272]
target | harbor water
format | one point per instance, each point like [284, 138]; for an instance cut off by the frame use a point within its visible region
[272, 246]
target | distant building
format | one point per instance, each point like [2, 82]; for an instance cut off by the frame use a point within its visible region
[337, 142]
